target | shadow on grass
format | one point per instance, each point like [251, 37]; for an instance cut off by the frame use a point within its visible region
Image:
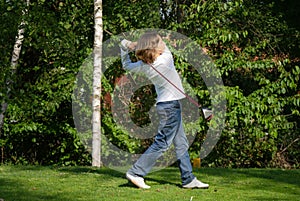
[159, 181]
[11, 190]
[171, 176]
[93, 170]
[164, 177]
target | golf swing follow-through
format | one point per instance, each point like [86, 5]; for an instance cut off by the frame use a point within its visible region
[156, 62]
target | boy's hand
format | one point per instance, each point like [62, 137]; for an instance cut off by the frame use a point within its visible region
[132, 46]
[124, 44]
[127, 44]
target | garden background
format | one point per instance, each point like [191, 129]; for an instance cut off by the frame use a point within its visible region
[254, 44]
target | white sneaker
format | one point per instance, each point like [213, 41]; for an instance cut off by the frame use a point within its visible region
[138, 181]
[196, 184]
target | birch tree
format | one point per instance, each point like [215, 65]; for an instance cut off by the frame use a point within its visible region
[96, 124]
[14, 61]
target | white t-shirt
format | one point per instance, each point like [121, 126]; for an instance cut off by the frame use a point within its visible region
[165, 65]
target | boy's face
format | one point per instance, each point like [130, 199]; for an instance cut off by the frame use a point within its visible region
[161, 46]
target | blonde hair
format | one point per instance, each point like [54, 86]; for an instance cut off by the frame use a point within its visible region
[148, 47]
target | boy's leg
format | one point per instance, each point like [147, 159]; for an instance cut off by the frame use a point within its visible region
[168, 113]
[184, 162]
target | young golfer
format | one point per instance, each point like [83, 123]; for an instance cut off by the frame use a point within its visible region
[151, 53]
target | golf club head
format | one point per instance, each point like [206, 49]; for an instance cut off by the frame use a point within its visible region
[207, 113]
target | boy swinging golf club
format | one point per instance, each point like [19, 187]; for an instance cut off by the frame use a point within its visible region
[156, 62]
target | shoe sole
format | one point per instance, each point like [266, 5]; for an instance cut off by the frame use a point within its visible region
[196, 187]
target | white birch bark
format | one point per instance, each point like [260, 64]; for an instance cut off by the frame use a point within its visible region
[19, 40]
[96, 124]
[14, 61]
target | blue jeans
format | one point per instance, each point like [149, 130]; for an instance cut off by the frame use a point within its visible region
[170, 131]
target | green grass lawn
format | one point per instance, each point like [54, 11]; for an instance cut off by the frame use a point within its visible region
[32, 183]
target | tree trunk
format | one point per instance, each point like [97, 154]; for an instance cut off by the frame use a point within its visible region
[179, 12]
[96, 127]
[14, 61]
